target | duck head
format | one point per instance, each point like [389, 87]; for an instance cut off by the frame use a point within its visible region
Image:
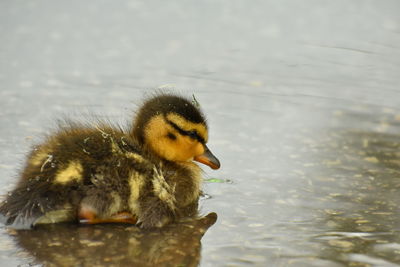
[175, 129]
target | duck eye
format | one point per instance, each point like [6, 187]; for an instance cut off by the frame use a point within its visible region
[192, 134]
[171, 136]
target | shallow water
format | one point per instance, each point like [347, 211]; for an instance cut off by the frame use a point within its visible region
[302, 100]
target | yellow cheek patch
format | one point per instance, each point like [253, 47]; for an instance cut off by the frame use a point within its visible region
[188, 126]
[73, 172]
[183, 148]
[198, 149]
[188, 147]
[155, 135]
[155, 128]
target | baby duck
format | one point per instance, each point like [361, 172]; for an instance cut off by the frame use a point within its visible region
[143, 175]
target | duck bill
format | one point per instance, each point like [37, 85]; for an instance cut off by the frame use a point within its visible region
[208, 159]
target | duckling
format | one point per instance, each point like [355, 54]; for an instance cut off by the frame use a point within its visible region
[145, 175]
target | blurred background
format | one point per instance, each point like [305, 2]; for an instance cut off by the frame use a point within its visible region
[302, 99]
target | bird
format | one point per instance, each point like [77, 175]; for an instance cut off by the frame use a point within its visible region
[144, 174]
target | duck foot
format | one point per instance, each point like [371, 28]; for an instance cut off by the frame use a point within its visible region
[87, 216]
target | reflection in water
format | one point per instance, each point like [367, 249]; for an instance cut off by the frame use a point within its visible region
[115, 245]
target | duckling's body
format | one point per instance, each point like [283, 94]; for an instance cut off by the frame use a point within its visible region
[96, 173]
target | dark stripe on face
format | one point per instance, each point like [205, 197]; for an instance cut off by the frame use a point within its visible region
[191, 134]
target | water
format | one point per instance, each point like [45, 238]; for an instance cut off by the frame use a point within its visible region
[302, 100]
